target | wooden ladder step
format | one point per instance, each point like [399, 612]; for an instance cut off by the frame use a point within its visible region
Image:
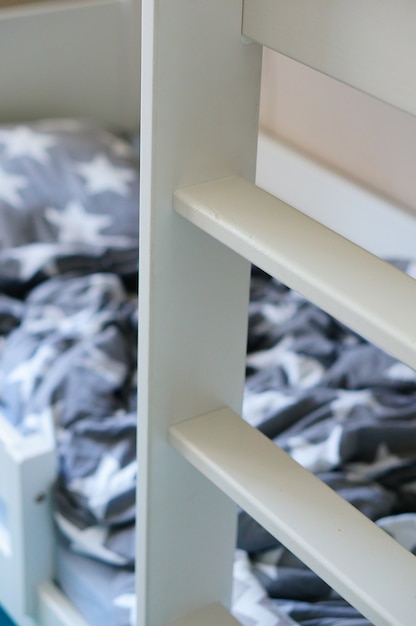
[327, 533]
[212, 615]
[367, 294]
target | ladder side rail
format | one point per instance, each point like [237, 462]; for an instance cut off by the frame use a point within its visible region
[28, 469]
[200, 91]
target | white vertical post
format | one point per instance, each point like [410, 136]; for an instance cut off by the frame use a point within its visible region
[200, 89]
[26, 530]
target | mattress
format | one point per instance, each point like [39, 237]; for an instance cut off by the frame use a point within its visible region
[338, 405]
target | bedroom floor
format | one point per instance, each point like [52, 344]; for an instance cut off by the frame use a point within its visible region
[4, 619]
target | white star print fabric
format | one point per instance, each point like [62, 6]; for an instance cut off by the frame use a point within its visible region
[69, 199]
[69, 355]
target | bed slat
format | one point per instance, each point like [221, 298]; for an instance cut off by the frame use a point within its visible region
[369, 45]
[213, 614]
[364, 292]
[326, 532]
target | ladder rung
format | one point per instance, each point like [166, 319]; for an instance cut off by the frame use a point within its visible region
[212, 615]
[362, 291]
[332, 537]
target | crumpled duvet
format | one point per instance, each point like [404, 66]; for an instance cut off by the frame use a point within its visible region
[71, 357]
[69, 217]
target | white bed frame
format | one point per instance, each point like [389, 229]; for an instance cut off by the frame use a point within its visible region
[207, 221]
[200, 83]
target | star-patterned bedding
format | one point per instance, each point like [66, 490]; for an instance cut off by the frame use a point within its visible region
[68, 353]
[68, 202]
[69, 216]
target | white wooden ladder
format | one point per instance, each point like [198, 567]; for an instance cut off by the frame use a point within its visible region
[203, 222]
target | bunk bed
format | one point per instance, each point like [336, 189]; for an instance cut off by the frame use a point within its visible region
[68, 552]
[207, 223]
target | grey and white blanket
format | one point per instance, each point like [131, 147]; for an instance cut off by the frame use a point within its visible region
[68, 324]
[69, 217]
[68, 202]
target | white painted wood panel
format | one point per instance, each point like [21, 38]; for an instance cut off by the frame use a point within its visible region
[55, 609]
[200, 86]
[369, 295]
[215, 614]
[26, 554]
[368, 44]
[348, 131]
[370, 220]
[71, 59]
[330, 535]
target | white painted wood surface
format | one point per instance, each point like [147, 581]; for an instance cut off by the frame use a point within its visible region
[352, 133]
[71, 59]
[213, 615]
[200, 87]
[366, 293]
[327, 533]
[373, 222]
[26, 552]
[54, 608]
[368, 44]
